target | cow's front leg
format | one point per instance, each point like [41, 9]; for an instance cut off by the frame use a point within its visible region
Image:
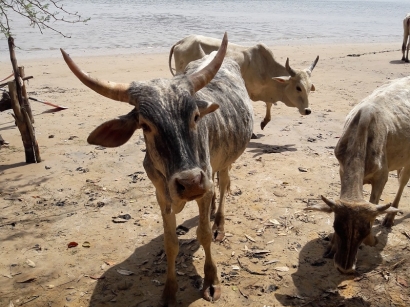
[171, 250]
[267, 118]
[219, 223]
[211, 290]
[404, 176]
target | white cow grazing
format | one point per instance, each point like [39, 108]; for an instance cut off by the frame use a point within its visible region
[406, 40]
[265, 78]
[375, 141]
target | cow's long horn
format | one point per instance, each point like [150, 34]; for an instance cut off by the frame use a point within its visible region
[313, 64]
[115, 91]
[201, 78]
[291, 72]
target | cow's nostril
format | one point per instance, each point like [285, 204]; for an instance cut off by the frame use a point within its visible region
[180, 186]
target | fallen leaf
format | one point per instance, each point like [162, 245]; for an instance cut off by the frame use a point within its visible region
[72, 244]
[26, 280]
[11, 304]
[250, 238]
[119, 220]
[30, 263]
[86, 244]
[125, 272]
[109, 262]
[282, 268]
[271, 261]
[50, 287]
[402, 281]
[260, 251]
[275, 222]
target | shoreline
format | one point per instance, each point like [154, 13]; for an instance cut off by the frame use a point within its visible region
[104, 52]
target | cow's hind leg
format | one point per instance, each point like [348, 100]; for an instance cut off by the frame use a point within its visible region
[211, 290]
[213, 205]
[408, 47]
[267, 118]
[219, 222]
[404, 176]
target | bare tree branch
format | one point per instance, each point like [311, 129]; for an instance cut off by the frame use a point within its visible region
[38, 12]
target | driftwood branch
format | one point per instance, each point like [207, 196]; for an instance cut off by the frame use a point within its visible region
[21, 115]
[24, 79]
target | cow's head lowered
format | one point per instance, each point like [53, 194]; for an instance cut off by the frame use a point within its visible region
[170, 117]
[298, 85]
[353, 223]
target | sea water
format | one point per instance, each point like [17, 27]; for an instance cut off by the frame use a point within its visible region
[140, 26]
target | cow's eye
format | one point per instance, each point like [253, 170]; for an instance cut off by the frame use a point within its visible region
[298, 89]
[145, 128]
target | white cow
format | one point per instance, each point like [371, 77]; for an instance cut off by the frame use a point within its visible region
[375, 141]
[406, 40]
[194, 125]
[264, 77]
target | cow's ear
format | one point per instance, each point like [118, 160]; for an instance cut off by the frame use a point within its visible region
[281, 79]
[206, 107]
[319, 207]
[312, 88]
[115, 132]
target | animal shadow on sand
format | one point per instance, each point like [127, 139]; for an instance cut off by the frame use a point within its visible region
[260, 148]
[148, 263]
[316, 280]
[397, 62]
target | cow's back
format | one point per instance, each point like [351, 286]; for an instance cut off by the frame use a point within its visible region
[377, 130]
[195, 47]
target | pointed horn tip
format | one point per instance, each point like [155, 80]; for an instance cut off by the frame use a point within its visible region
[224, 43]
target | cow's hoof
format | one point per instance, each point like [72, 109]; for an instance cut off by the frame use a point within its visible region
[263, 125]
[168, 302]
[407, 60]
[254, 137]
[218, 235]
[403, 58]
[329, 253]
[211, 292]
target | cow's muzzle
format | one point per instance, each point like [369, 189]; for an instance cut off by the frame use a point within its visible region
[190, 184]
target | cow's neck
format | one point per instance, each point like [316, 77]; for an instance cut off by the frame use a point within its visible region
[352, 182]
[271, 91]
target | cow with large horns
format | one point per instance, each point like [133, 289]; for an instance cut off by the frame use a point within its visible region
[375, 141]
[194, 125]
[265, 78]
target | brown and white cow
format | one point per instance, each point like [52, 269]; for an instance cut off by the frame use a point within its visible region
[194, 125]
[406, 40]
[375, 141]
[265, 78]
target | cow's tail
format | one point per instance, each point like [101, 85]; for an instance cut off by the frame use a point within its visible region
[171, 52]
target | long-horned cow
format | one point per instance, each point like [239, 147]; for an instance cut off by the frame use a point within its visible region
[406, 38]
[265, 78]
[375, 141]
[194, 125]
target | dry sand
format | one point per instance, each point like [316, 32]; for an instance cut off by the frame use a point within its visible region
[75, 192]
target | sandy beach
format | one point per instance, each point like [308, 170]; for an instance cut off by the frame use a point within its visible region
[74, 193]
